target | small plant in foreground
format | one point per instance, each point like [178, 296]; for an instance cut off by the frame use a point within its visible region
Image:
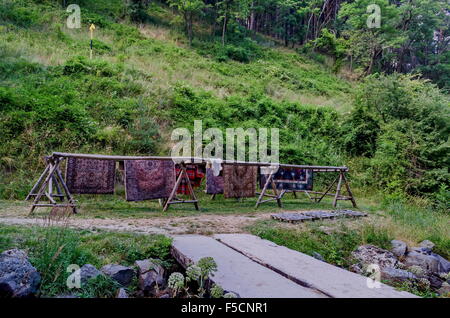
[176, 283]
[216, 291]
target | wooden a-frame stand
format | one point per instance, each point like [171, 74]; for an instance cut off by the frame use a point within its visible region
[51, 186]
[49, 181]
[173, 199]
[317, 196]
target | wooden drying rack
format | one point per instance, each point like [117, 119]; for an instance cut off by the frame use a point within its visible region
[52, 186]
[315, 196]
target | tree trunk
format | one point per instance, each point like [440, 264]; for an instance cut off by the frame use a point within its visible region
[224, 28]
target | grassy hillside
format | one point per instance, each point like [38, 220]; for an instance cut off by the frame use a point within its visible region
[145, 80]
[122, 101]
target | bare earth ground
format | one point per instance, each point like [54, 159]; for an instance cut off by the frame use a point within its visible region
[204, 224]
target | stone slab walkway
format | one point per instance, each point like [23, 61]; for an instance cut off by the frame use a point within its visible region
[255, 268]
[236, 272]
[306, 270]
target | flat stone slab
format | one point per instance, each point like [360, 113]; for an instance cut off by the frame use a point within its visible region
[236, 272]
[294, 217]
[306, 270]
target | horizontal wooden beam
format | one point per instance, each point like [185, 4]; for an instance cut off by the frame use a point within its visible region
[197, 160]
[183, 201]
[54, 205]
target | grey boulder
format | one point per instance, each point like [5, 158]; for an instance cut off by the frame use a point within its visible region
[398, 248]
[426, 261]
[369, 254]
[429, 261]
[444, 290]
[18, 278]
[146, 265]
[396, 275]
[151, 276]
[122, 274]
[122, 293]
[427, 244]
[88, 271]
[444, 265]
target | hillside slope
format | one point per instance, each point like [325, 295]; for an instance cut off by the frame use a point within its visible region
[145, 80]
[122, 101]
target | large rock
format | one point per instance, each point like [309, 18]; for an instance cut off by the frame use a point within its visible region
[427, 244]
[88, 271]
[396, 275]
[398, 248]
[429, 261]
[369, 254]
[122, 293]
[151, 276]
[444, 290]
[435, 281]
[18, 278]
[122, 274]
[444, 265]
[146, 265]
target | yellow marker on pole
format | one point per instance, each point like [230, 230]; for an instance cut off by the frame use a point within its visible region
[92, 28]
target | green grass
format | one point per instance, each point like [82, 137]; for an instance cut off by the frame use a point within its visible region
[406, 222]
[115, 206]
[335, 246]
[130, 96]
[53, 249]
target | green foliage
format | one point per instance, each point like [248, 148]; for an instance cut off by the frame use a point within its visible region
[328, 42]
[58, 249]
[176, 283]
[302, 128]
[403, 124]
[335, 247]
[216, 291]
[15, 13]
[137, 10]
[101, 286]
[200, 272]
[53, 249]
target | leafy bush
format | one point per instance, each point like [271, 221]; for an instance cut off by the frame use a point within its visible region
[99, 287]
[81, 65]
[18, 15]
[402, 124]
[58, 249]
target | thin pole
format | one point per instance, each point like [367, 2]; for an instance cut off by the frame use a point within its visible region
[91, 29]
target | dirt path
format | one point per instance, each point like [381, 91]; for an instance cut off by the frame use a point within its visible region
[204, 224]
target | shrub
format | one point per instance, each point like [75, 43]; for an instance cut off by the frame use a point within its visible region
[81, 65]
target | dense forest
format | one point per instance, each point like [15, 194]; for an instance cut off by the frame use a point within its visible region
[413, 37]
[375, 99]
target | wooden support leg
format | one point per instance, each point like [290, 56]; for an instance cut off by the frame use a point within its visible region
[174, 190]
[191, 190]
[43, 186]
[170, 200]
[36, 185]
[275, 191]
[338, 190]
[352, 198]
[66, 190]
[263, 192]
[328, 189]
[58, 189]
